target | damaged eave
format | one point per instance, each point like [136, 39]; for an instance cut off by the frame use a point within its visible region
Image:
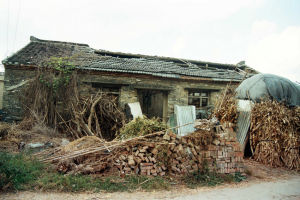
[209, 79]
[20, 66]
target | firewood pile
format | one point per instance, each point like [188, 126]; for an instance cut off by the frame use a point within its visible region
[275, 134]
[156, 154]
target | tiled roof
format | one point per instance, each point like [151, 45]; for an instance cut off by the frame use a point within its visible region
[83, 57]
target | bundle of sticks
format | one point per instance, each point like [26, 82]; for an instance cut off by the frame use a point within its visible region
[97, 115]
[274, 134]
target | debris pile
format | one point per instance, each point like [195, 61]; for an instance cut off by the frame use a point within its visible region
[28, 135]
[155, 154]
[275, 135]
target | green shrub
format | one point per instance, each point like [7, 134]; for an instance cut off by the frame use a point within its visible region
[141, 126]
[16, 170]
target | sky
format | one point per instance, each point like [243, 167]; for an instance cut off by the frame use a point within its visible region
[264, 33]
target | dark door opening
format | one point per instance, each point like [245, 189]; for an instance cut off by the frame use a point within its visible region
[153, 103]
[247, 150]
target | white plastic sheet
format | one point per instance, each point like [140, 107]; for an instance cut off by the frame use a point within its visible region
[135, 110]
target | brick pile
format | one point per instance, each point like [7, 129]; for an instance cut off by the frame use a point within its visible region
[176, 156]
[165, 154]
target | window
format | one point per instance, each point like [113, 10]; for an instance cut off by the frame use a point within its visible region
[198, 98]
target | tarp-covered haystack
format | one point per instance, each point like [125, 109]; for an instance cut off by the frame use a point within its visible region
[268, 86]
[274, 130]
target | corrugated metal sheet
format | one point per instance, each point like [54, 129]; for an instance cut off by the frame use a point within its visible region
[243, 122]
[243, 125]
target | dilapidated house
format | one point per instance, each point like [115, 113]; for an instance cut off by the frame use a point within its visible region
[158, 83]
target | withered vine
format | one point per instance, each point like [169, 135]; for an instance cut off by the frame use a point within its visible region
[52, 98]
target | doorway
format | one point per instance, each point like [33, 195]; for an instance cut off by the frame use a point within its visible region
[154, 103]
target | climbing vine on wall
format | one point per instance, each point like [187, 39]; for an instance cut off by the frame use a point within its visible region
[59, 73]
[49, 95]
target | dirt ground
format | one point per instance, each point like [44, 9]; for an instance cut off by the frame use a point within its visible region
[264, 183]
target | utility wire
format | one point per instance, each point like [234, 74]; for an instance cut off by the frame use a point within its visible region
[17, 24]
[7, 26]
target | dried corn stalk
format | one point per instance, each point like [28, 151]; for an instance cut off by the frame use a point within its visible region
[274, 134]
[226, 109]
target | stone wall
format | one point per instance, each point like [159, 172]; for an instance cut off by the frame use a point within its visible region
[13, 83]
[127, 95]
[177, 89]
[129, 84]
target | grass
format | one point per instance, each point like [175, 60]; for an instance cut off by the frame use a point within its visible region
[205, 177]
[77, 183]
[17, 170]
[22, 172]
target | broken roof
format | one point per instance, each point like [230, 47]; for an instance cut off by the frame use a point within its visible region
[86, 58]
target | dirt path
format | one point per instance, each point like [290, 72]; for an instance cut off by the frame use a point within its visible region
[265, 183]
[280, 189]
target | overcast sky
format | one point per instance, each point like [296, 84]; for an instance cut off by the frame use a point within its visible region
[264, 33]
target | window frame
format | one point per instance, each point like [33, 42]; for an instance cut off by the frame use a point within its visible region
[199, 97]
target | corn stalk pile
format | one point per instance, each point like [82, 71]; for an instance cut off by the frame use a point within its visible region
[226, 109]
[275, 135]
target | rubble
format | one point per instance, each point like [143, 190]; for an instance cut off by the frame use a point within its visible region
[24, 136]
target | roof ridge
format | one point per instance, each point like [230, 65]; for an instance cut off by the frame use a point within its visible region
[34, 39]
